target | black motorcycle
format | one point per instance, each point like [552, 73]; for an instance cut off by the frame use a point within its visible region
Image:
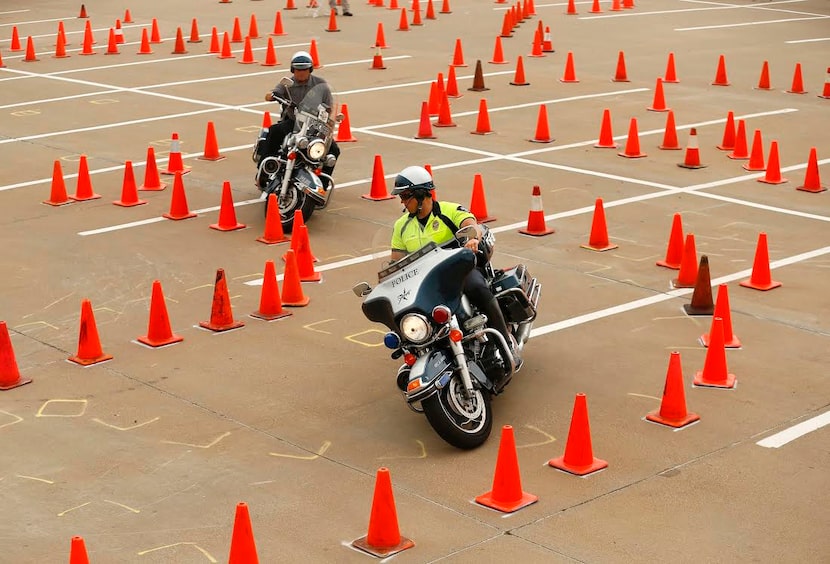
[294, 174]
[453, 362]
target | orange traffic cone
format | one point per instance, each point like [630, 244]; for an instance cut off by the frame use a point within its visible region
[253, 28]
[243, 546]
[378, 190]
[221, 314]
[507, 495]
[434, 100]
[730, 340]
[599, 231]
[174, 162]
[152, 181]
[377, 60]
[458, 55]
[715, 373]
[547, 43]
[798, 84]
[273, 233]
[83, 188]
[672, 410]
[315, 57]
[83, 13]
[214, 42]
[270, 55]
[112, 44]
[671, 72]
[773, 173]
[129, 192]
[674, 251]
[483, 121]
[178, 201]
[536, 49]
[570, 73]
[621, 75]
[144, 47]
[88, 41]
[247, 53]
[498, 53]
[227, 212]
[478, 79]
[542, 129]
[305, 260]
[536, 217]
[692, 159]
[430, 14]
[278, 29]
[380, 37]
[606, 136]
[344, 130]
[670, 134]
[659, 102]
[60, 46]
[384, 537]
[478, 202]
[236, 31]
[812, 180]
[728, 142]
[9, 372]
[270, 303]
[452, 83]
[194, 32]
[720, 74]
[159, 333]
[519, 77]
[77, 549]
[579, 456]
[58, 195]
[30, 56]
[226, 52]
[687, 275]
[15, 41]
[155, 36]
[763, 82]
[416, 14]
[701, 303]
[292, 289]
[740, 152]
[761, 279]
[595, 8]
[425, 125]
[403, 25]
[507, 25]
[89, 345]
[632, 144]
[211, 145]
[756, 155]
[571, 8]
[444, 114]
[178, 46]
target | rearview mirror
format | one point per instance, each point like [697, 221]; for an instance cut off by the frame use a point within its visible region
[287, 81]
[469, 232]
[361, 289]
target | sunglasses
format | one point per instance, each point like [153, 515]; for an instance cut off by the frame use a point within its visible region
[405, 196]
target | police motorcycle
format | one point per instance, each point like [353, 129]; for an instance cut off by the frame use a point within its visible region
[294, 174]
[453, 362]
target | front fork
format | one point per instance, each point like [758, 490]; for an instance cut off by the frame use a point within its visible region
[289, 168]
[461, 360]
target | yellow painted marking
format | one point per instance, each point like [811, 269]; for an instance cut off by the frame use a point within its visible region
[102, 101]
[210, 444]
[669, 317]
[643, 396]
[59, 300]
[193, 544]
[323, 449]
[249, 128]
[200, 287]
[365, 344]
[244, 276]
[17, 417]
[26, 113]
[71, 159]
[36, 479]
[18, 327]
[130, 428]
[632, 259]
[128, 508]
[422, 455]
[163, 142]
[311, 325]
[600, 269]
[62, 513]
[42, 407]
[549, 438]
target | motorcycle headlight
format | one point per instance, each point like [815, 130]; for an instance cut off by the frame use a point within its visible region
[302, 142]
[415, 328]
[316, 149]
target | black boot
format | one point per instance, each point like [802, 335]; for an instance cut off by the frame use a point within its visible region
[495, 319]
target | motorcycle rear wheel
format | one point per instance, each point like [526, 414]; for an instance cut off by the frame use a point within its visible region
[465, 424]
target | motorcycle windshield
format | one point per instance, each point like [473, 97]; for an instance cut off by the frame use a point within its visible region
[435, 277]
[319, 107]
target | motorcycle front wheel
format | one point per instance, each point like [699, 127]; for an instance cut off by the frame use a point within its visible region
[464, 423]
[288, 205]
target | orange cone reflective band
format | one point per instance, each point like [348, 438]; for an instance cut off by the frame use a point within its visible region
[221, 314]
[507, 495]
[9, 373]
[174, 162]
[536, 217]
[579, 456]
[383, 538]
[159, 332]
[89, 345]
[692, 159]
[672, 410]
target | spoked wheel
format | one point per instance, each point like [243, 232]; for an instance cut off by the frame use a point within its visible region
[461, 421]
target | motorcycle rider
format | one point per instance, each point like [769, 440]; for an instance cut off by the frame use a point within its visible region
[426, 220]
[301, 68]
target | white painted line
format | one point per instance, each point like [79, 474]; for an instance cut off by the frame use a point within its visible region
[12, 12]
[788, 435]
[746, 24]
[31, 21]
[809, 40]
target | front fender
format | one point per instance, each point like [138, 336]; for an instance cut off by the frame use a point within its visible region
[434, 370]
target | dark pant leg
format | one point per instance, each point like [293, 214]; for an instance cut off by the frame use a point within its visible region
[334, 149]
[273, 141]
[476, 289]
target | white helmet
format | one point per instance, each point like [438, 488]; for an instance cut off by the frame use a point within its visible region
[301, 60]
[413, 178]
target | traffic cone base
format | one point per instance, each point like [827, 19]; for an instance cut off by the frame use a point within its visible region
[701, 382]
[672, 411]
[701, 303]
[579, 458]
[363, 545]
[159, 333]
[89, 345]
[507, 495]
[9, 373]
[221, 314]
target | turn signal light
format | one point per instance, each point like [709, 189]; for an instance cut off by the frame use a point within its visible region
[456, 336]
[409, 359]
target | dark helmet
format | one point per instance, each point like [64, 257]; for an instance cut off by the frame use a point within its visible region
[301, 60]
[416, 179]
